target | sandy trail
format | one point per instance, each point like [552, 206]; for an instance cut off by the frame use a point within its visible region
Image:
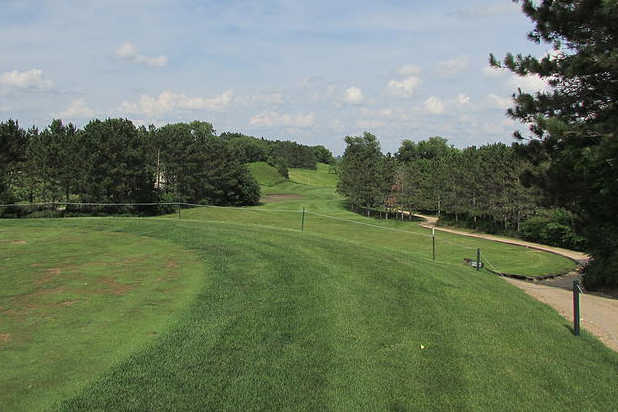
[430, 222]
[599, 314]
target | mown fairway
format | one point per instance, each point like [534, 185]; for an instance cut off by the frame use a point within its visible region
[237, 309]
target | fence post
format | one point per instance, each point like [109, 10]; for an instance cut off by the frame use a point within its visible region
[576, 308]
[433, 241]
[478, 259]
[302, 221]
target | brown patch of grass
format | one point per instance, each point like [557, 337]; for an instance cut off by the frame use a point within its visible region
[171, 264]
[131, 260]
[69, 302]
[5, 338]
[13, 242]
[50, 274]
[115, 288]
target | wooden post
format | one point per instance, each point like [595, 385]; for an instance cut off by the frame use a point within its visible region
[576, 308]
[302, 221]
[433, 240]
[478, 259]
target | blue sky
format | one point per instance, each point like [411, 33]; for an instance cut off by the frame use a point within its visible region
[313, 72]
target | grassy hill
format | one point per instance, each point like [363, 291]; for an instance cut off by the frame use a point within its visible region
[265, 174]
[236, 308]
[321, 177]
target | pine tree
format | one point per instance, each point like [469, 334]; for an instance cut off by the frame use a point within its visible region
[573, 138]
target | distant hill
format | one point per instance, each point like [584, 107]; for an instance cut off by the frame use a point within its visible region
[265, 174]
[323, 176]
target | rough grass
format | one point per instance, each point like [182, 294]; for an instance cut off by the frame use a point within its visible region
[320, 177]
[265, 174]
[75, 300]
[342, 316]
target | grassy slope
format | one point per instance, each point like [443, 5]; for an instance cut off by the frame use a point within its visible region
[333, 318]
[318, 178]
[392, 234]
[52, 274]
[265, 174]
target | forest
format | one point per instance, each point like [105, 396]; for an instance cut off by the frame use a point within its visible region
[113, 161]
[568, 158]
[475, 187]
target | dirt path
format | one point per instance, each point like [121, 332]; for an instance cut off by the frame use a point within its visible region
[578, 256]
[599, 314]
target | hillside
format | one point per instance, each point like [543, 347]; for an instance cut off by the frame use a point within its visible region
[250, 312]
[265, 174]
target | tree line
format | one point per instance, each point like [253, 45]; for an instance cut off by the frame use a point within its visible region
[279, 154]
[477, 187]
[113, 161]
[568, 162]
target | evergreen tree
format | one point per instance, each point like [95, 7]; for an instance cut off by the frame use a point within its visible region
[53, 158]
[573, 126]
[114, 163]
[359, 172]
[13, 142]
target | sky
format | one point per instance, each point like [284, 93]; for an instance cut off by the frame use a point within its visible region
[312, 71]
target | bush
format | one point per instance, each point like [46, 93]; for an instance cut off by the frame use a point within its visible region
[553, 229]
[602, 273]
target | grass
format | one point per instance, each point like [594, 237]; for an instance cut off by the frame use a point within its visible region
[271, 318]
[265, 174]
[75, 300]
[320, 177]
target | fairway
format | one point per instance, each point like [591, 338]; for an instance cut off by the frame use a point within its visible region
[237, 308]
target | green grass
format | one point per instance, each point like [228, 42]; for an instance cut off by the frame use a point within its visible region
[265, 174]
[75, 300]
[320, 177]
[271, 318]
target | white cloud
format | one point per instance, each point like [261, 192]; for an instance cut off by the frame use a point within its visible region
[462, 99]
[493, 72]
[434, 105]
[262, 98]
[486, 11]
[499, 102]
[169, 101]
[337, 125]
[29, 79]
[353, 95]
[409, 70]
[530, 83]
[369, 124]
[128, 51]
[453, 66]
[403, 88]
[276, 119]
[78, 109]
[384, 113]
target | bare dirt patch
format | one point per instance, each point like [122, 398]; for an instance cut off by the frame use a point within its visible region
[49, 275]
[280, 197]
[114, 287]
[5, 338]
[13, 242]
